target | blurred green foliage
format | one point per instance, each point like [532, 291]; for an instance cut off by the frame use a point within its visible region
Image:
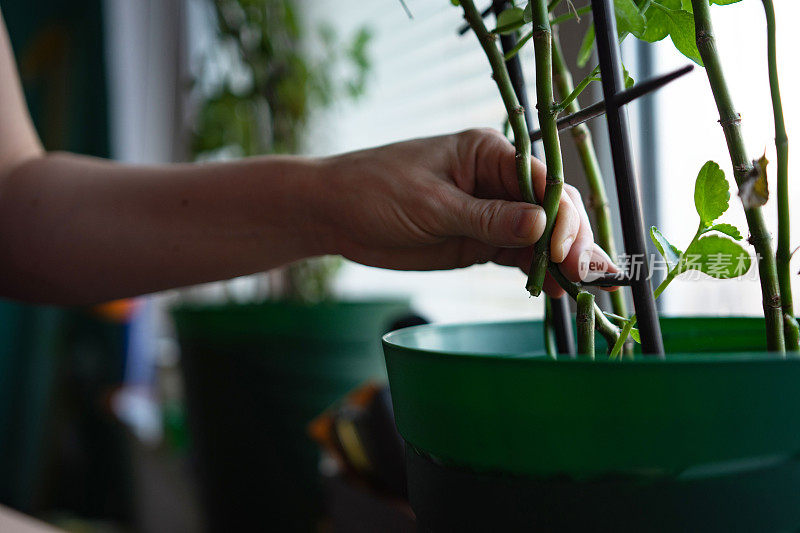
[270, 72]
[259, 84]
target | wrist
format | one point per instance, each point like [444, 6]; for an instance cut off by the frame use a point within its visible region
[315, 205]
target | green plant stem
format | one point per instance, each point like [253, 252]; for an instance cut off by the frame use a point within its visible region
[516, 115]
[671, 275]
[542, 43]
[783, 254]
[516, 118]
[584, 320]
[572, 96]
[517, 47]
[556, 20]
[598, 200]
[730, 121]
[602, 324]
[629, 324]
[549, 333]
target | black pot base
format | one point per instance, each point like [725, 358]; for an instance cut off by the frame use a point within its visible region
[447, 499]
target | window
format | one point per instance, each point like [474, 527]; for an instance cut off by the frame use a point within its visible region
[426, 80]
[689, 135]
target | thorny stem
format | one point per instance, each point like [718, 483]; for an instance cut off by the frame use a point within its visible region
[521, 135]
[671, 275]
[591, 167]
[730, 121]
[602, 324]
[584, 321]
[783, 255]
[631, 322]
[559, 325]
[542, 42]
[516, 116]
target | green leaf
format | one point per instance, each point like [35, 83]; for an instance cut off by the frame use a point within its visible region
[657, 25]
[669, 252]
[455, 2]
[509, 20]
[667, 18]
[728, 229]
[686, 5]
[527, 14]
[587, 45]
[628, 79]
[717, 257]
[682, 35]
[635, 335]
[711, 193]
[629, 18]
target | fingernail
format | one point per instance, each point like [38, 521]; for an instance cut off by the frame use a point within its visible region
[526, 226]
[565, 246]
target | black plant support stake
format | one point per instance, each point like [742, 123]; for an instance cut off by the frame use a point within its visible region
[630, 211]
[559, 307]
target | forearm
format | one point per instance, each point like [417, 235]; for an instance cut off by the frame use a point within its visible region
[77, 230]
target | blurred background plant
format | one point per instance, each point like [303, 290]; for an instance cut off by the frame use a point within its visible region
[257, 89]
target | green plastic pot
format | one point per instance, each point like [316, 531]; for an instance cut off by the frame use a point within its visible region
[255, 376]
[483, 403]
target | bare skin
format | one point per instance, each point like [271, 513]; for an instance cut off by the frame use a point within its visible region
[75, 229]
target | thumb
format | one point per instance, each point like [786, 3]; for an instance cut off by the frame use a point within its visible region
[501, 223]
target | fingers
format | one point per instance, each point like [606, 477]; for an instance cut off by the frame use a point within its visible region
[567, 229]
[578, 251]
[598, 264]
[496, 222]
[485, 165]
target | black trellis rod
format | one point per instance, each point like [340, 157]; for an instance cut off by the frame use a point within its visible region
[559, 307]
[629, 204]
[599, 108]
[619, 279]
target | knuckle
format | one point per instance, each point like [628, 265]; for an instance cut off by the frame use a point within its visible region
[488, 216]
[477, 135]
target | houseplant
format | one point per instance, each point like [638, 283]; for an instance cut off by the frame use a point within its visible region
[500, 433]
[257, 372]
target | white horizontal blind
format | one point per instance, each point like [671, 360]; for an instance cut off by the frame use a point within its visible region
[426, 80]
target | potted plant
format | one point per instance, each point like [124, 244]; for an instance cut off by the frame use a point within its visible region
[501, 433]
[258, 371]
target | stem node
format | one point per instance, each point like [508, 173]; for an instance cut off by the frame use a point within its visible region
[704, 36]
[584, 321]
[734, 120]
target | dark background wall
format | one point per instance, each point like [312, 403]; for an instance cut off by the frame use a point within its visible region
[61, 452]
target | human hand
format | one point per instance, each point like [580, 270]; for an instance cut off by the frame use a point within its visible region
[450, 202]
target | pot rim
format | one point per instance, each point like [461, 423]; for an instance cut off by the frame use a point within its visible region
[396, 339]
